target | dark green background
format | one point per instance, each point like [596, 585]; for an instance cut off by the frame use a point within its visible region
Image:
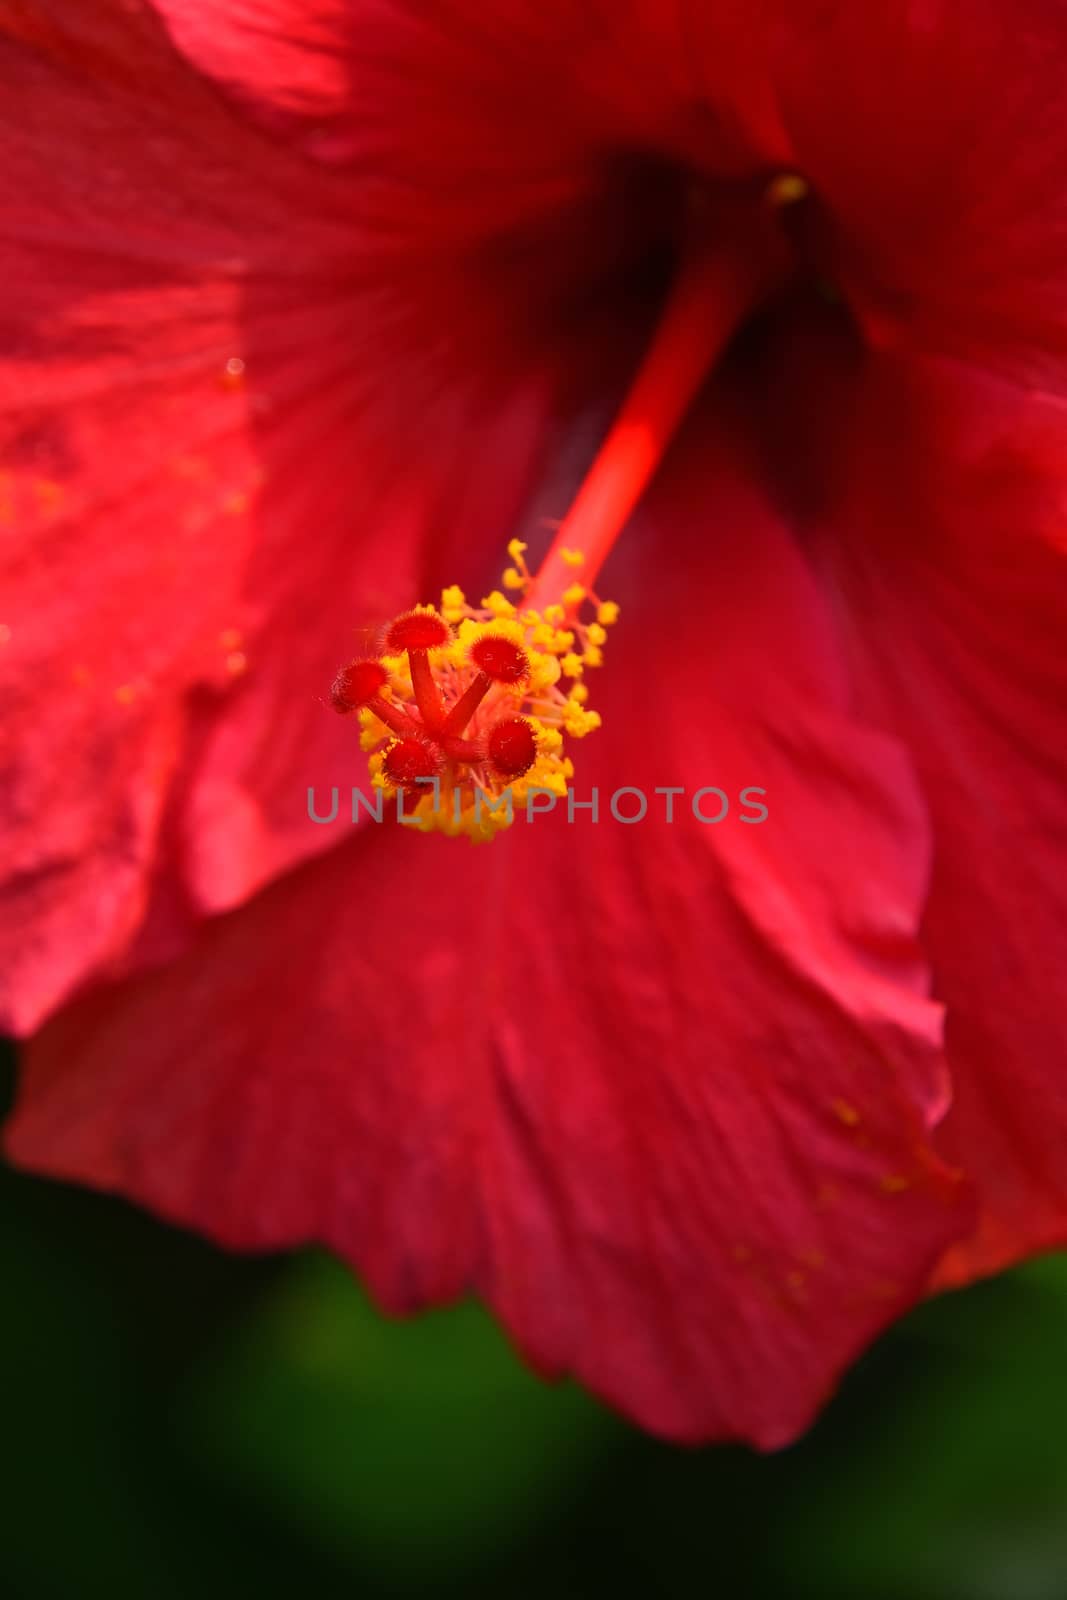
[182, 1423]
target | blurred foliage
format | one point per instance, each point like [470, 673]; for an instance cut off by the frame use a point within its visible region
[178, 1422]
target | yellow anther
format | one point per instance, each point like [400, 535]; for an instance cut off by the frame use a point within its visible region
[573, 558]
[574, 595]
[597, 634]
[577, 721]
[515, 549]
[787, 188]
[580, 693]
[554, 614]
[498, 604]
[571, 665]
[607, 613]
[513, 578]
[593, 656]
[544, 672]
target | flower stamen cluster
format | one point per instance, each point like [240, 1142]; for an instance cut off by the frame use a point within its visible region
[463, 710]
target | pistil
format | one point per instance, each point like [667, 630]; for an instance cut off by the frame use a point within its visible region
[437, 723]
[719, 282]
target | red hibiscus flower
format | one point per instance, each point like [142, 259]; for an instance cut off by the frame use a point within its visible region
[310, 310]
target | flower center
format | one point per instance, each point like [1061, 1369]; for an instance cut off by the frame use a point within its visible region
[464, 710]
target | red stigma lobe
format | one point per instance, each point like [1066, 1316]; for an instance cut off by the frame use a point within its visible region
[357, 684]
[500, 659]
[411, 759]
[416, 630]
[512, 747]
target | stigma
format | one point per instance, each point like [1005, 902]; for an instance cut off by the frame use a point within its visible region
[464, 711]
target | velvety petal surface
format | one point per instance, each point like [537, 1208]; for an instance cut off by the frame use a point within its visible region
[662, 1093]
[948, 552]
[934, 137]
[203, 491]
[931, 132]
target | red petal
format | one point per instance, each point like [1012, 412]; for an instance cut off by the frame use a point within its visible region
[287, 59]
[205, 492]
[418, 82]
[665, 1093]
[949, 551]
[935, 139]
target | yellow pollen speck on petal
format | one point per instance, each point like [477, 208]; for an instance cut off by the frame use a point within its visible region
[573, 558]
[231, 639]
[125, 694]
[607, 613]
[48, 494]
[845, 1113]
[894, 1183]
[786, 189]
[574, 595]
